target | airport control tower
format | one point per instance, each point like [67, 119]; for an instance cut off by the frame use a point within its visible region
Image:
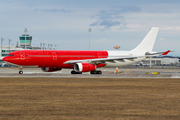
[25, 40]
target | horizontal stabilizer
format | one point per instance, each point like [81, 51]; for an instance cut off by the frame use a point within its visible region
[156, 53]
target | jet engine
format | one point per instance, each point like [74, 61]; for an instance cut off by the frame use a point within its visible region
[141, 63]
[84, 67]
[50, 69]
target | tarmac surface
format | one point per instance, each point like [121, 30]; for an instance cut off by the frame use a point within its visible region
[106, 73]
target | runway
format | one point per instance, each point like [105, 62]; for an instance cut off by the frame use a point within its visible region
[106, 73]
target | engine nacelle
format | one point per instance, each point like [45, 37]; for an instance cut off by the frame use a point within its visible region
[141, 63]
[84, 67]
[50, 69]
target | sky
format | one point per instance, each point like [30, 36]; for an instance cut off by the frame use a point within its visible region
[65, 23]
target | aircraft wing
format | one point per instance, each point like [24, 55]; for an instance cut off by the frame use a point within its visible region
[102, 60]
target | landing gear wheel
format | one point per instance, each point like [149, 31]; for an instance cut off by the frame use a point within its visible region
[20, 72]
[93, 72]
[74, 72]
[99, 72]
[96, 72]
[79, 73]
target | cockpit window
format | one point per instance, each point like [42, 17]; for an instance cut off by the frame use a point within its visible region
[11, 55]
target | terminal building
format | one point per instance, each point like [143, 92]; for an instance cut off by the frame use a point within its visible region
[157, 62]
[162, 61]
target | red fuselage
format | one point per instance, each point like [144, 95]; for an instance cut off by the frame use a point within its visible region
[52, 58]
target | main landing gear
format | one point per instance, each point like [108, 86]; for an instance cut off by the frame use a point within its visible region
[74, 72]
[20, 70]
[92, 72]
[96, 72]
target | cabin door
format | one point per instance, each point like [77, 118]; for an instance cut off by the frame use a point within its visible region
[99, 55]
[22, 55]
[54, 56]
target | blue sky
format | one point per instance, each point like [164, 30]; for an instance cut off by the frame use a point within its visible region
[65, 23]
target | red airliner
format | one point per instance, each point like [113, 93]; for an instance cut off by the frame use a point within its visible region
[84, 61]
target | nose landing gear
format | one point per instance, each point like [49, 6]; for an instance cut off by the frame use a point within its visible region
[20, 70]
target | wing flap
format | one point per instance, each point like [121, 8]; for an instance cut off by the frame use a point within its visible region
[120, 60]
[110, 61]
[130, 59]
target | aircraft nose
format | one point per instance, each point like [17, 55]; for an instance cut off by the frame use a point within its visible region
[5, 59]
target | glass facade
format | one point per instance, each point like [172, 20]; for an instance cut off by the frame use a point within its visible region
[3, 51]
[27, 37]
[3, 55]
[6, 52]
[28, 40]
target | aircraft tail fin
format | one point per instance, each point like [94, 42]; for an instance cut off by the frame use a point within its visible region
[147, 43]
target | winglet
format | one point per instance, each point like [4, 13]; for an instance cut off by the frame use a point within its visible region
[165, 53]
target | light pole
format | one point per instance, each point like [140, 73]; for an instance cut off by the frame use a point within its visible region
[1, 45]
[43, 45]
[9, 45]
[25, 37]
[150, 62]
[55, 47]
[89, 38]
[51, 46]
[48, 46]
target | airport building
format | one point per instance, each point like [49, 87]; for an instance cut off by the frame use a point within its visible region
[157, 62]
[25, 41]
[7, 49]
[164, 60]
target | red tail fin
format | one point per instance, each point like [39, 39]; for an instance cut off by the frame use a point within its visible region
[165, 53]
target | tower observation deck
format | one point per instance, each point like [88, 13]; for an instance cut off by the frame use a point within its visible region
[25, 39]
